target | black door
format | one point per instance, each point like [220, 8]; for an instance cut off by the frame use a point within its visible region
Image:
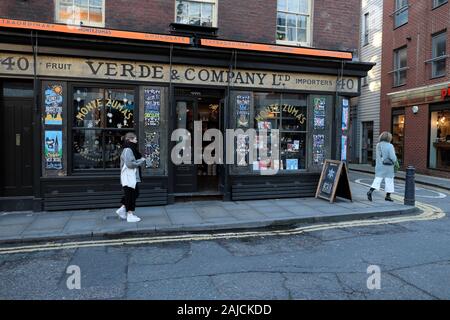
[186, 174]
[16, 130]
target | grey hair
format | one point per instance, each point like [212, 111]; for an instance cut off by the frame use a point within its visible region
[385, 136]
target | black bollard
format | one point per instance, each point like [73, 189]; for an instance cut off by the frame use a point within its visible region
[410, 187]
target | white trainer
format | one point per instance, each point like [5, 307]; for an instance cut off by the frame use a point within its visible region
[133, 218]
[122, 213]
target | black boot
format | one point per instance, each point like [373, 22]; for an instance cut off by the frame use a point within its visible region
[388, 197]
[369, 194]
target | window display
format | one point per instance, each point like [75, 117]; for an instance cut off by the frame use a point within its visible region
[101, 116]
[440, 140]
[288, 113]
[398, 135]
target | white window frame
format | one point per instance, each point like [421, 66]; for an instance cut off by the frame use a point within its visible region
[77, 22]
[399, 9]
[398, 69]
[309, 27]
[214, 11]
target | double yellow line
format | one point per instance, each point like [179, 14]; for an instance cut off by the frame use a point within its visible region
[428, 212]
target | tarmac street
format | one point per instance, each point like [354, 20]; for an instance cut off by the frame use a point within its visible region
[404, 256]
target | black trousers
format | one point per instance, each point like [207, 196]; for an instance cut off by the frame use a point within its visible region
[129, 198]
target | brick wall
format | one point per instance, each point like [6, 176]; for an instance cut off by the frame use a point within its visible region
[250, 20]
[336, 24]
[417, 36]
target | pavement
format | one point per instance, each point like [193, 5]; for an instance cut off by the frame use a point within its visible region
[199, 216]
[419, 178]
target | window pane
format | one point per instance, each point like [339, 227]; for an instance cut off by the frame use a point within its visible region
[96, 3]
[291, 20]
[112, 148]
[96, 15]
[293, 151]
[281, 33]
[439, 68]
[292, 34]
[303, 6]
[439, 45]
[281, 19]
[401, 18]
[194, 9]
[87, 107]
[81, 3]
[66, 12]
[440, 140]
[119, 108]
[398, 127]
[302, 22]
[294, 112]
[403, 59]
[87, 149]
[282, 5]
[181, 8]
[267, 110]
[293, 6]
[301, 35]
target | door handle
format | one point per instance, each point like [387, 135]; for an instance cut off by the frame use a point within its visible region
[18, 136]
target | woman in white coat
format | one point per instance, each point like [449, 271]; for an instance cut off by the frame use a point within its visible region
[384, 169]
[130, 162]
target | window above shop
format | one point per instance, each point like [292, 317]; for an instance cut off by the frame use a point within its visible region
[400, 66]
[366, 29]
[294, 22]
[81, 12]
[439, 55]
[196, 12]
[401, 13]
[438, 3]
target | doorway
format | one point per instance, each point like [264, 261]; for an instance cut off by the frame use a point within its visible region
[16, 113]
[198, 179]
[367, 142]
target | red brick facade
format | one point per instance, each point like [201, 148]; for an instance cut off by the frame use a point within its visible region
[423, 22]
[335, 23]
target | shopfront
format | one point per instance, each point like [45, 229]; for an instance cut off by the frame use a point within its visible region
[440, 137]
[85, 103]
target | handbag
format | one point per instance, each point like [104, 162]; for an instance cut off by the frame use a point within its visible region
[128, 177]
[388, 161]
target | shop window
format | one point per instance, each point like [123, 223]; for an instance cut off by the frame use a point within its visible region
[101, 116]
[400, 66]
[288, 113]
[440, 140]
[400, 13]
[398, 135]
[439, 50]
[81, 12]
[196, 12]
[294, 22]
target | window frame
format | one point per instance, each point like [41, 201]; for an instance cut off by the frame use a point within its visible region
[58, 18]
[309, 26]
[397, 69]
[366, 26]
[398, 11]
[71, 128]
[215, 5]
[434, 39]
[435, 4]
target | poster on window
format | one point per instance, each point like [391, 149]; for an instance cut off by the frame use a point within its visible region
[318, 149]
[344, 140]
[53, 150]
[152, 107]
[152, 150]
[243, 110]
[242, 148]
[319, 113]
[53, 104]
[345, 114]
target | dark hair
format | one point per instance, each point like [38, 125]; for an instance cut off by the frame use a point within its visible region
[129, 136]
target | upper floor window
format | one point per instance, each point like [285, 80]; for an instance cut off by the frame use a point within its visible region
[400, 66]
[439, 52]
[196, 12]
[81, 12]
[294, 22]
[366, 29]
[400, 13]
[437, 3]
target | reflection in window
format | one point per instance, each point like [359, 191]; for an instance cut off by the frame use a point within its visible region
[101, 116]
[398, 136]
[195, 12]
[81, 12]
[293, 20]
[439, 52]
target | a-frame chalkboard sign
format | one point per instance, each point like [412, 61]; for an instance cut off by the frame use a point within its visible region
[334, 181]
